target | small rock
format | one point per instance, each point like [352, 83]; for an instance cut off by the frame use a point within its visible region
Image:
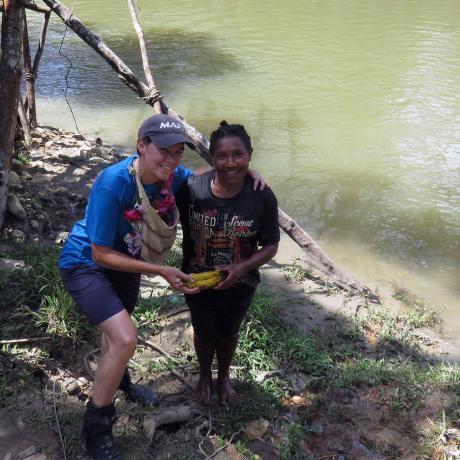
[11, 264]
[79, 172]
[86, 152]
[41, 217]
[97, 160]
[27, 176]
[70, 155]
[72, 388]
[34, 224]
[8, 456]
[17, 166]
[17, 236]
[83, 382]
[26, 453]
[48, 167]
[15, 208]
[13, 179]
[256, 429]
[49, 144]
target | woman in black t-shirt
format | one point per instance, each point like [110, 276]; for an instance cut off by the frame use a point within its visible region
[229, 226]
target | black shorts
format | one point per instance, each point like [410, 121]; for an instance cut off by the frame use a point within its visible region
[218, 314]
[101, 293]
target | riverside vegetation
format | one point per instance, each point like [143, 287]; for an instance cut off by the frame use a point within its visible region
[367, 386]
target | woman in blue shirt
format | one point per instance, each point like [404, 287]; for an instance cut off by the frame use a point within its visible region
[101, 268]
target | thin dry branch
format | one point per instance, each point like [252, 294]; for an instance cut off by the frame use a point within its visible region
[57, 420]
[29, 340]
[167, 355]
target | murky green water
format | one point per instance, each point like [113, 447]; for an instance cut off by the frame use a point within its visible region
[354, 109]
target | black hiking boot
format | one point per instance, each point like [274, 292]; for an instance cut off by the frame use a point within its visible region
[137, 393]
[97, 431]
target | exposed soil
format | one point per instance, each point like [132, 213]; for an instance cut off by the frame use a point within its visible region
[360, 423]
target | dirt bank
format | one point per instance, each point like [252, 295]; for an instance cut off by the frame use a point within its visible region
[353, 380]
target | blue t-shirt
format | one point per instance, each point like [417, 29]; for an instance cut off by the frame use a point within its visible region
[113, 192]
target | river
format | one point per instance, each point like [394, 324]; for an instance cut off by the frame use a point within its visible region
[353, 107]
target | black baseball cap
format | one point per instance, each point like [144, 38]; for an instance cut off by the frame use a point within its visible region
[164, 131]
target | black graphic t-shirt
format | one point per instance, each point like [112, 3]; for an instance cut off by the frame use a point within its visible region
[222, 231]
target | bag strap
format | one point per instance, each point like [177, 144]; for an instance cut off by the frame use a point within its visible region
[144, 198]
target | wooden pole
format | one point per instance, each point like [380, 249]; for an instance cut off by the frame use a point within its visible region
[41, 42]
[24, 122]
[145, 59]
[29, 76]
[313, 252]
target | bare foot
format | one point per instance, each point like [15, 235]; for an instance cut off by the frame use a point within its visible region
[203, 390]
[226, 392]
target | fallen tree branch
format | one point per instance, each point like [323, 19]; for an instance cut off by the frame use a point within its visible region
[165, 417]
[156, 348]
[261, 376]
[318, 258]
[167, 355]
[177, 312]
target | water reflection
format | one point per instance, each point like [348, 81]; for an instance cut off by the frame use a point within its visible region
[353, 108]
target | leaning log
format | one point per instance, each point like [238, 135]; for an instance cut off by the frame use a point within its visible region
[313, 253]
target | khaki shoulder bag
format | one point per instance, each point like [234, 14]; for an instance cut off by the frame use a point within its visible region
[157, 237]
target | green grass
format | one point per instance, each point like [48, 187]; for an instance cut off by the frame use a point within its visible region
[33, 300]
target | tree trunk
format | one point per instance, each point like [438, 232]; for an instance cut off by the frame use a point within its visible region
[10, 71]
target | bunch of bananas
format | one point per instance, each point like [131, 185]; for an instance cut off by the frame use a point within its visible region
[206, 280]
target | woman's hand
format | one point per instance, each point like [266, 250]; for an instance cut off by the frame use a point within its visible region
[234, 273]
[258, 179]
[177, 280]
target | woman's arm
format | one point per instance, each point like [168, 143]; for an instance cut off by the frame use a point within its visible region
[258, 179]
[110, 258]
[236, 271]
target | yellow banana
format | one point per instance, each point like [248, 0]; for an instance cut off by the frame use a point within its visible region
[205, 280]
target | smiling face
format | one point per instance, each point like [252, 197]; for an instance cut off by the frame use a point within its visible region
[231, 161]
[157, 164]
